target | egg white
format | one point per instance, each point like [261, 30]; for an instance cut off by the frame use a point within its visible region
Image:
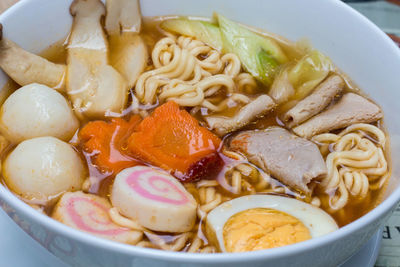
[315, 219]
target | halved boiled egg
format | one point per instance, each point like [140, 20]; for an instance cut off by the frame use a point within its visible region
[258, 222]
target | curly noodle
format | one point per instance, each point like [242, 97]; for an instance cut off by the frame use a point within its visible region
[192, 73]
[356, 163]
[241, 177]
[188, 241]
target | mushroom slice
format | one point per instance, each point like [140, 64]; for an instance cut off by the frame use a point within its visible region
[95, 88]
[123, 15]
[255, 109]
[26, 68]
[129, 52]
[129, 56]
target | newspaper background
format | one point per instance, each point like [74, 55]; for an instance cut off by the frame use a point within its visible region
[389, 255]
[386, 14]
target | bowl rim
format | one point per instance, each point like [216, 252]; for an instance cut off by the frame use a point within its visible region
[130, 250]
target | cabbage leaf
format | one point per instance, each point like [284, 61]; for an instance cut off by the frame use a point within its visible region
[312, 69]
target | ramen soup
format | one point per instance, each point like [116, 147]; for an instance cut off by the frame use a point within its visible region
[183, 134]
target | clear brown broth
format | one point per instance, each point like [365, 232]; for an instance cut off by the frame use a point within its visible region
[151, 33]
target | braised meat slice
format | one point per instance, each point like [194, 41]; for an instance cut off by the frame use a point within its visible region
[349, 110]
[316, 102]
[292, 160]
[253, 110]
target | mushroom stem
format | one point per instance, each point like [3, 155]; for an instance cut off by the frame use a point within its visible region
[95, 88]
[129, 52]
[26, 68]
[123, 16]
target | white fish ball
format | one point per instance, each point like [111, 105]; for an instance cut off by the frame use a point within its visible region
[43, 168]
[36, 110]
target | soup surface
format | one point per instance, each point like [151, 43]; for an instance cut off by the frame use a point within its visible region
[196, 135]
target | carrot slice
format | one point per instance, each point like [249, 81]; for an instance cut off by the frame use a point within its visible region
[104, 143]
[172, 139]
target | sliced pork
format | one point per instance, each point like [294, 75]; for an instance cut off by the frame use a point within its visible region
[292, 160]
[349, 110]
[316, 102]
[255, 109]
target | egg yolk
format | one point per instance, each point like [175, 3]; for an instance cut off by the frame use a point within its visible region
[262, 228]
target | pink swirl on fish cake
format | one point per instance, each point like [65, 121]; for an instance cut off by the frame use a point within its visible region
[136, 177]
[77, 219]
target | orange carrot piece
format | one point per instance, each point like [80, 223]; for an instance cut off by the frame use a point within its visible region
[104, 142]
[172, 139]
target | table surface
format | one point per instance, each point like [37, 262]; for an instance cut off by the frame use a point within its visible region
[372, 11]
[4, 4]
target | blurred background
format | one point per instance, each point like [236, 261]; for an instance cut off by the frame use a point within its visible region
[384, 13]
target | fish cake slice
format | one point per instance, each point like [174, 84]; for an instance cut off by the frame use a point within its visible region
[89, 213]
[155, 199]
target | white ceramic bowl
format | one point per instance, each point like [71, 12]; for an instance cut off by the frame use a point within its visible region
[357, 47]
